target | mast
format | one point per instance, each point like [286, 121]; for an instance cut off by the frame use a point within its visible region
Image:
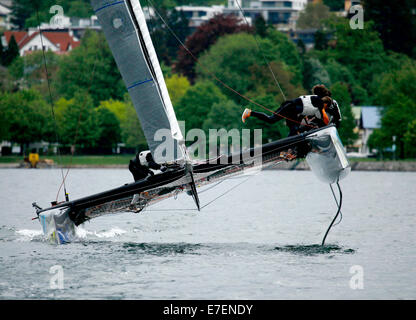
[125, 29]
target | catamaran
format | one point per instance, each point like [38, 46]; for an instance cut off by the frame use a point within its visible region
[124, 26]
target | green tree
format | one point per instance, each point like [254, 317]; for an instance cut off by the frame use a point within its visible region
[260, 26]
[25, 117]
[223, 115]
[197, 102]
[335, 5]
[338, 72]
[12, 52]
[29, 71]
[397, 94]
[361, 51]
[321, 40]
[346, 131]
[410, 140]
[77, 121]
[131, 133]
[230, 59]
[131, 128]
[1, 51]
[314, 73]
[91, 67]
[288, 53]
[177, 87]
[110, 132]
[396, 23]
[313, 16]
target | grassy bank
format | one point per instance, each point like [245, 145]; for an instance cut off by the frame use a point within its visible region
[77, 160]
[100, 160]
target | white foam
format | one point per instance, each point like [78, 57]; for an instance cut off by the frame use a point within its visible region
[114, 232]
[28, 235]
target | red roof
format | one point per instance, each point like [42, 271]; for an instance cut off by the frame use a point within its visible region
[63, 40]
[18, 35]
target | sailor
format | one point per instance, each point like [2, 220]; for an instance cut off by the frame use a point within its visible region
[142, 164]
[305, 112]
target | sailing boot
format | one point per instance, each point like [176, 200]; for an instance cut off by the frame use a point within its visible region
[245, 115]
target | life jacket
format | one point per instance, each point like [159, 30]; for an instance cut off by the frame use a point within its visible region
[309, 110]
[143, 158]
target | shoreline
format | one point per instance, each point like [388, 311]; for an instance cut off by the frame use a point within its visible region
[395, 166]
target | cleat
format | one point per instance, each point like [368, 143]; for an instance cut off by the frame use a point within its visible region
[245, 115]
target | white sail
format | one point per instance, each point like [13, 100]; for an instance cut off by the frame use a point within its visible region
[125, 29]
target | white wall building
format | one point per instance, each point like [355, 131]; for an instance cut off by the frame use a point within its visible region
[199, 15]
[283, 14]
[5, 17]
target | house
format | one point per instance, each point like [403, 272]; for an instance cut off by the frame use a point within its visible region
[5, 12]
[283, 14]
[367, 119]
[197, 15]
[60, 42]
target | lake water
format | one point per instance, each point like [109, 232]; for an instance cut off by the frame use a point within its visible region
[259, 241]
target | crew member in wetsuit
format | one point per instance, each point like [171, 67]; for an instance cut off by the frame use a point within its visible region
[142, 164]
[310, 108]
[333, 110]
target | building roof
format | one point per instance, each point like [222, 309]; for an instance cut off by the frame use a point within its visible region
[62, 40]
[371, 117]
[18, 35]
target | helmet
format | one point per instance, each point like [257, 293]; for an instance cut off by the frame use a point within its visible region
[143, 156]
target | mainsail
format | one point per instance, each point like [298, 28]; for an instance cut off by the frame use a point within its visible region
[125, 29]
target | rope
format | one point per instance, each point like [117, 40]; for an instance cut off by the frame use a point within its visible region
[78, 125]
[51, 102]
[336, 215]
[261, 51]
[216, 78]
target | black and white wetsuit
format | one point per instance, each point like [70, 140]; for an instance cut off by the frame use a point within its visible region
[296, 110]
[140, 166]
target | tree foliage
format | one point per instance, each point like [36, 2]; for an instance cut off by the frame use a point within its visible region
[230, 59]
[203, 38]
[177, 87]
[313, 16]
[166, 45]
[25, 117]
[341, 94]
[197, 102]
[396, 23]
[397, 94]
[131, 133]
[91, 67]
[11, 53]
[77, 121]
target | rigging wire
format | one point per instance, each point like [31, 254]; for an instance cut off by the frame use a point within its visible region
[63, 184]
[216, 78]
[51, 103]
[336, 201]
[262, 53]
[79, 123]
[336, 215]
